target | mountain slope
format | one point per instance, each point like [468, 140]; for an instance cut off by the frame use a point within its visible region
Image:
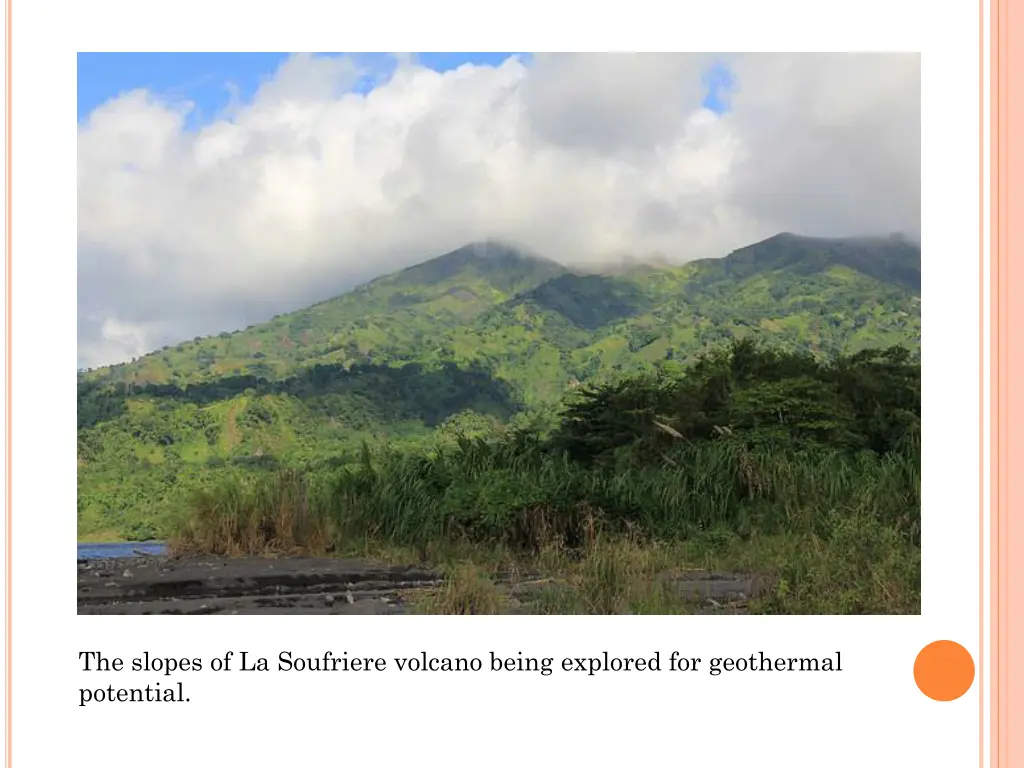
[391, 318]
[799, 292]
[891, 260]
[476, 338]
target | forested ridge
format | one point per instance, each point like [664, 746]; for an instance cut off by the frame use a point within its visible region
[486, 342]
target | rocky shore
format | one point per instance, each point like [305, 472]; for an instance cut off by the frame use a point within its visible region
[302, 585]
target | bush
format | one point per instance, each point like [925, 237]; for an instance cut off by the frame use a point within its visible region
[747, 443]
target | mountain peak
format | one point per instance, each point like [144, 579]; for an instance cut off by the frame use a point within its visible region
[493, 249]
[507, 266]
[887, 258]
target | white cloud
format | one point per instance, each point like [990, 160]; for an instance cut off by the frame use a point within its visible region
[309, 188]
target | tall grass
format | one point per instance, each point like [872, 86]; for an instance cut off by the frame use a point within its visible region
[827, 531]
[518, 496]
[254, 516]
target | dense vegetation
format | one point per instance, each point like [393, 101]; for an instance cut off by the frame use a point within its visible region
[487, 342]
[750, 446]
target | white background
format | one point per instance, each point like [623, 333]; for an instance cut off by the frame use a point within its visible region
[872, 713]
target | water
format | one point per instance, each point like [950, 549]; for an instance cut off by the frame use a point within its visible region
[120, 549]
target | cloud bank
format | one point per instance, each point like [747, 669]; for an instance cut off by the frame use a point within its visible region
[310, 188]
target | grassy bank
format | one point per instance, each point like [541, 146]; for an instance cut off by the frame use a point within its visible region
[805, 474]
[825, 532]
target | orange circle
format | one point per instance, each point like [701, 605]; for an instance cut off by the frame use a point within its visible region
[944, 670]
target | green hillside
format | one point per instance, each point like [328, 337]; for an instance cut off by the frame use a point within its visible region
[484, 336]
[398, 317]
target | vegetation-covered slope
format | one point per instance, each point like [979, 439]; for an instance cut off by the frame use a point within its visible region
[398, 317]
[804, 472]
[476, 338]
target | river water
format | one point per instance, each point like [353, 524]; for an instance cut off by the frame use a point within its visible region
[120, 549]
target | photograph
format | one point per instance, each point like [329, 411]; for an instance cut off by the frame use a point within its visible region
[500, 333]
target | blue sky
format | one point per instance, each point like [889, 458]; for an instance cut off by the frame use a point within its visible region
[202, 77]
